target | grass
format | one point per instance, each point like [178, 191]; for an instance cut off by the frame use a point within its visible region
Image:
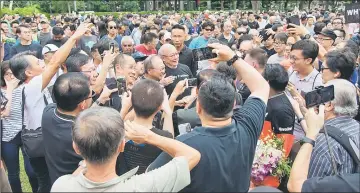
[25, 185]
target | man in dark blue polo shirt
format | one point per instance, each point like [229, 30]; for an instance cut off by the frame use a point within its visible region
[227, 138]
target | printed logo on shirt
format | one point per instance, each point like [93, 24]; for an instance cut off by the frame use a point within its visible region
[285, 129]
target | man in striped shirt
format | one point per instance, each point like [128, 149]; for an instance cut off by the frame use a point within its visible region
[339, 113]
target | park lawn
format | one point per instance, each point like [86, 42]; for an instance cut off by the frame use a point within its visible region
[23, 177]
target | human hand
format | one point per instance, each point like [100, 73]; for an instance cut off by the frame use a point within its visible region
[179, 88]
[108, 58]
[258, 39]
[224, 52]
[105, 94]
[269, 31]
[298, 30]
[12, 84]
[314, 122]
[291, 88]
[137, 133]
[165, 104]
[80, 31]
[126, 100]
[168, 80]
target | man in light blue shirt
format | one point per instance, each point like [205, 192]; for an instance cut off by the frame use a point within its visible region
[202, 41]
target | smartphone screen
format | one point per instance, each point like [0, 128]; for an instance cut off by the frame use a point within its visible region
[319, 96]
[203, 54]
[294, 19]
[111, 84]
[121, 85]
[191, 82]
[112, 47]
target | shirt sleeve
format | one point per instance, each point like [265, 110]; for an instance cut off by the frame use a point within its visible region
[171, 177]
[193, 44]
[13, 51]
[251, 115]
[320, 163]
[283, 122]
[160, 161]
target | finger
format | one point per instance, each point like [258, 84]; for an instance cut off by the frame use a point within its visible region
[214, 45]
[322, 110]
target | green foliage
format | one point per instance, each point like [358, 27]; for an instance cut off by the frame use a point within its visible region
[130, 6]
[29, 10]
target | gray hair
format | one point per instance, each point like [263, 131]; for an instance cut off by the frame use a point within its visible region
[345, 97]
[127, 38]
[98, 132]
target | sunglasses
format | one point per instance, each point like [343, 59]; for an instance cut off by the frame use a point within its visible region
[112, 27]
[207, 29]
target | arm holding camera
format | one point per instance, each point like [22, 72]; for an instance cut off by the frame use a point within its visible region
[300, 167]
[251, 77]
[10, 86]
[167, 115]
[100, 80]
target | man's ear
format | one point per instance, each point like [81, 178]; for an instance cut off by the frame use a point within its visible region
[198, 107]
[76, 148]
[121, 146]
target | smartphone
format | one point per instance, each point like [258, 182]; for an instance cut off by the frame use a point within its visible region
[294, 19]
[111, 84]
[203, 54]
[191, 82]
[112, 47]
[264, 35]
[121, 85]
[319, 96]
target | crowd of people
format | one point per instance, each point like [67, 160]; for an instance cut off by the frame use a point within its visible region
[104, 103]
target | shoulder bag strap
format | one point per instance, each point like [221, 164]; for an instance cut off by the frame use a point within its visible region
[22, 105]
[312, 88]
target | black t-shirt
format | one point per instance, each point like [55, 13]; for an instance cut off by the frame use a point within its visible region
[60, 156]
[187, 42]
[253, 25]
[281, 114]
[244, 91]
[181, 72]
[227, 153]
[34, 47]
[338, 183]
[186, 57]
[141, 155]
[57, 43]
[269, 52]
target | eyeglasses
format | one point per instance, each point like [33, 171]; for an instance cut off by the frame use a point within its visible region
[337, 23]
[172, 55]
[322, 39]
[293, 58]
[112, 27]
[124, 45]
[279, 43]
[207, 29]
[323, 68]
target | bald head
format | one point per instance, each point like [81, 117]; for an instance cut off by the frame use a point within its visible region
[272, 19]
[246, 46]
[169, 55]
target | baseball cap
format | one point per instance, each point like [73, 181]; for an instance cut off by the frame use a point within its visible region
[329, 33]
[167, 36]
[44, 20]
[138, 56]
[49, 48]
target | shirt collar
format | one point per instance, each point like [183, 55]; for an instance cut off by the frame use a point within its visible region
[64, 116]
[307, 78]
[223, 131]
[338, 120]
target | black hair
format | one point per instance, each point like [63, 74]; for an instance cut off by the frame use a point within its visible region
[245, 37]
[228, 71]
[318, 27]
[19, 64]
[276, 26]
[277, 76]
[67, 19]
[70, 89]
[205, 75]
[342, 61]
[102, 28]
[5, 66]
[103, 45]
[216, 97]
[14, 22]
[18, 30]
[353, 47]
[28, 20]
[147, 96]
[281, 37]
[208, 24]
[57, 30]
[178, 26]
[309, 49]
[74, 62]
[148, 37]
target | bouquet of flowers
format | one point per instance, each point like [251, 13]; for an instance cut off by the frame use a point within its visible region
[269, 160]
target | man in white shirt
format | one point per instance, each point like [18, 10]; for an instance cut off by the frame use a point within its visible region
[28, 69]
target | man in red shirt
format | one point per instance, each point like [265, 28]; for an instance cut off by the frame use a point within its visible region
[148, 47]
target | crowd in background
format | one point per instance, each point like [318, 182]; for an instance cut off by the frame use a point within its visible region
[59, 83]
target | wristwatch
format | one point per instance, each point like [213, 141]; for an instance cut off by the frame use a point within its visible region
[307, 140]
[306, 36]
[232, 60]
[300, 119]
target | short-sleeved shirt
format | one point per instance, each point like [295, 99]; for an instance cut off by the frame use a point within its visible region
[281, 114]
[227, 152]
[34, 47]
[87, 42]
[199, 42]
[61, 158]
[269, 52]
[338, 183]
[171, 177]
[141, 48]
[275, 59]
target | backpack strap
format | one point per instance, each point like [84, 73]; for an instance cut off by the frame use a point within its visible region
[344, 140]
[312, 88]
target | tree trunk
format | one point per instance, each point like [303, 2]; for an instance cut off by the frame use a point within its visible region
[309, 5]
[222, 4]
[75, 8]
[69, 8]
[11, 5]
